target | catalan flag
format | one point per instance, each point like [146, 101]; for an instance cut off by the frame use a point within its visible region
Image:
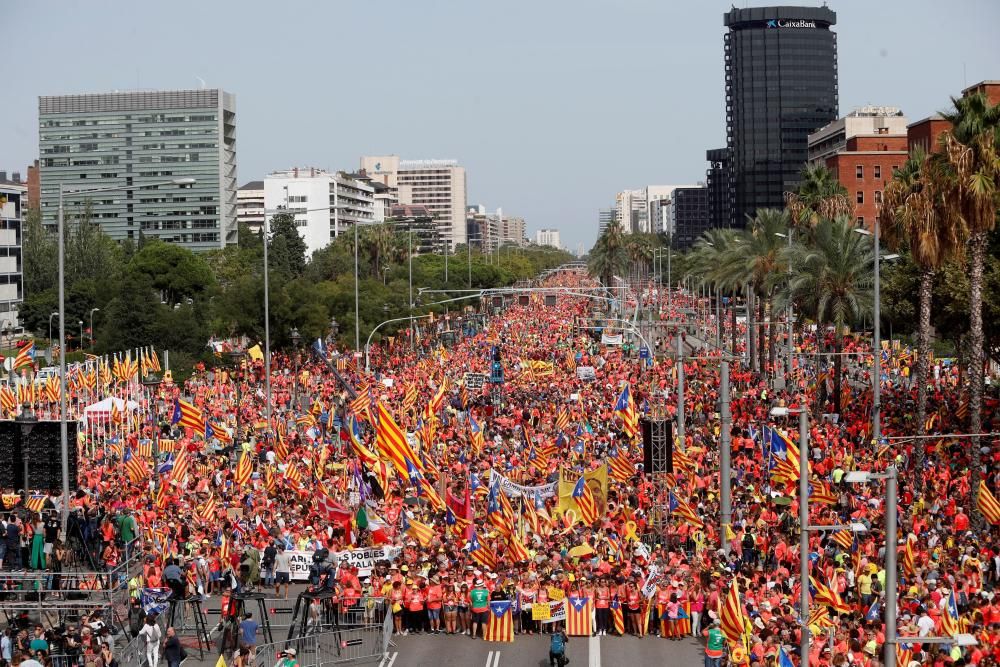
[456, 524]
[420, 532]
[617, 616]
[207, 511]
[7, 399]
[244, 469]
[500, 626]
[987, 504]
[36, 502]
[620, 467]
[410, 397]
[819, 492]
[584, 498]
[25, 356]
[625, 408]
[478, 439]
[685, 511]
[734, 620]
[844, 538]
[823, 594]
[187, 416]
[562, 420]
[949, 617]
[392, 443]
[516, 551]
[909, 560]
[481, 555]
[135, 466]
[181, 465]
[578, 616]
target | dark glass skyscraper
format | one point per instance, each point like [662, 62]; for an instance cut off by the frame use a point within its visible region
[781, 84]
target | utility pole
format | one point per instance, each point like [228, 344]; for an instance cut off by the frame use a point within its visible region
[804, 534]
[725, 455]
[680, 390]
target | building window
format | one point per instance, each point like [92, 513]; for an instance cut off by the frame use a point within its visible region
[859, 171]
[860, 197]
[878, 171]
[861, 221]
[878, 196]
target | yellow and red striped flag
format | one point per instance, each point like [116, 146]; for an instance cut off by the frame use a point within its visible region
[421, 532]
[243, 469]
[584, 498]
[734, 620]
[392, 443]
[987, 504]
[500, 626]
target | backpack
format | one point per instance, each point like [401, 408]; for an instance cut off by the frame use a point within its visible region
[558, 644]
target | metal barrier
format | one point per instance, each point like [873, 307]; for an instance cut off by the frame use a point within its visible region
[358, 634]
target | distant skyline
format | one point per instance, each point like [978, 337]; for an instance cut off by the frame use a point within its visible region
[551, 107]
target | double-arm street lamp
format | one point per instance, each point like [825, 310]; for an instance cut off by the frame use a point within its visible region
[63, 427]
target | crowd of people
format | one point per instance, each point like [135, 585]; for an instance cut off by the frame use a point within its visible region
[489, 508]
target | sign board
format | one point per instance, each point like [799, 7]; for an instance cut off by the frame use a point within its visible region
[540, 612]
[557, 594]
[586, 373]
[643, 352]
[474, 380]
[363, 559]
[557, 611]
[612, 339]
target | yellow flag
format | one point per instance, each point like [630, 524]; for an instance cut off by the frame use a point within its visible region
[221, 662]
[730, 535]
[255, 353]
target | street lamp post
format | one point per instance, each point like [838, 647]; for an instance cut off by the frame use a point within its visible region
[51, 315]
[876, 336]
[236, 357]
[152, 383]
[81, 335]
[296, 340]
[92, 311]
[63, 427]
[788, 308]
[725, 482]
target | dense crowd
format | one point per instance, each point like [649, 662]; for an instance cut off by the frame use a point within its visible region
[220, 513]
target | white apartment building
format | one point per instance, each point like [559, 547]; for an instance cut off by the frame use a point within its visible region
[250, 205]
[12, 196]
[631, 211]
[548, 237]
[440, 185]
[324, 204]
[867, 121]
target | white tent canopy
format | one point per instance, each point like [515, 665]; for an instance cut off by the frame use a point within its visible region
[101, 411]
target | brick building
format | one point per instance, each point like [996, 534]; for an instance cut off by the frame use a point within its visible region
[864, 167]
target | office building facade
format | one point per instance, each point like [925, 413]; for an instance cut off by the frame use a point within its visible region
[440, 185]
[13, 198]
[549, 237]
[719, 188]
[688, 216]
[781, 85]
[605, 217]
[132, 139]
[324, 204]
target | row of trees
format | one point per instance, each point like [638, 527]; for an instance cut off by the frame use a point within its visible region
[159, 293]
[939, 213]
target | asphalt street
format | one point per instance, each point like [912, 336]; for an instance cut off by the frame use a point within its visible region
[424, 651]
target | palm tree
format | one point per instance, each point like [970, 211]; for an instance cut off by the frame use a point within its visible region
[763, 262]
[712, 252]
[970, 170]
[820, 195]
[832, 272]
[378, 241]
[912, 215]
[609, 256]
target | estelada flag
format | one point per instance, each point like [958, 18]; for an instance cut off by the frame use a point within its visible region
[578, 616]
[480, 554]
[617, 616]
[420, 532]
[25, 357]
[500, 627]
[392, 443]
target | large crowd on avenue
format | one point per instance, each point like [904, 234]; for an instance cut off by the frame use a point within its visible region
[456, 505]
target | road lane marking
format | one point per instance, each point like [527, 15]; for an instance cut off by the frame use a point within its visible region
[493, 659]
[390, 660]
[594, 650]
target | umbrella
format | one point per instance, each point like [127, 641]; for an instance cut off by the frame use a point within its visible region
[581, 550]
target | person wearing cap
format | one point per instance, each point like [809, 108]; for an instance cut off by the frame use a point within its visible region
[287, 659]
[479, 604]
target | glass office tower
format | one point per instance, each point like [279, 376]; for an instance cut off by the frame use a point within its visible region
[781, 84]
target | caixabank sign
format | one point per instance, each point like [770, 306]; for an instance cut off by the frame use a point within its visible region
[790, 23]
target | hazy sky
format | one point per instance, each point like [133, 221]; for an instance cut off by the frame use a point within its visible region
[552, 106]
